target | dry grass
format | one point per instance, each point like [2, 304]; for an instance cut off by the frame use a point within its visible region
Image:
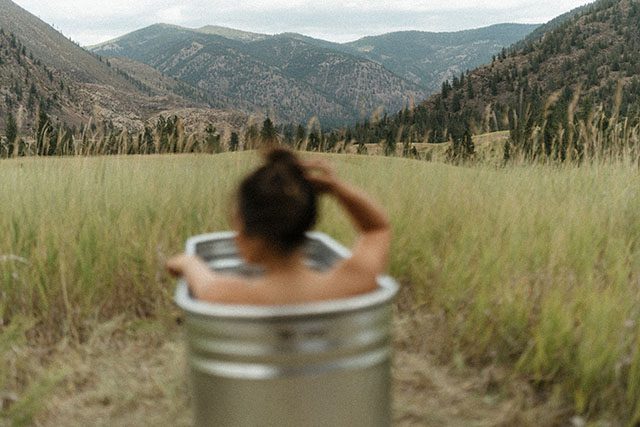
[528, 273]
[488, 146]
[125, 375]
[137, 376]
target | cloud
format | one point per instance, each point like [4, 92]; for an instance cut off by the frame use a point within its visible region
[92, 21]
[173, 15]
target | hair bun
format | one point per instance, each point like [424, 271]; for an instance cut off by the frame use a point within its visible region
[280, 155]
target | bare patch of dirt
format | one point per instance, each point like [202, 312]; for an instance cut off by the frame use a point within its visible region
[122, 377]
[136, 376]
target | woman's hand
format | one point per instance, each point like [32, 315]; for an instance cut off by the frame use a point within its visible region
[321, 175]
[176, 265]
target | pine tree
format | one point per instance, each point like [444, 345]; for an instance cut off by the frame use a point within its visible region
[12, 131]
[470, 93]
[469, 146]
[251, 137]
[446, 87]
[506, 152]
[268, 133]
[456, 102]
[362, 148]
[313, 143]
[234, 142]
[212, 140]
[389, 143]
[31, 100]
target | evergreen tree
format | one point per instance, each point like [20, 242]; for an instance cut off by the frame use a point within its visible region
[406, 148]
[31, 100]
[446, 87]
[331, 142]
[234, 142]
[470, 93]
[469, 146]
[389, 143]
[456, 102]
[506, 152]
[362, 148]
[212, 141]
[313, 143]
[268, 133]
[301, 134]
[12, 132]
[251, 137]
[462, 146]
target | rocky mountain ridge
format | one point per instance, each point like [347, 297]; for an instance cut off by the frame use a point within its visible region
[293, 77]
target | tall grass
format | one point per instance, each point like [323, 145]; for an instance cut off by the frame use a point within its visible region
[534, 267]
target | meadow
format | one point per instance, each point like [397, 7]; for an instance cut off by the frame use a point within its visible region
[532, 269]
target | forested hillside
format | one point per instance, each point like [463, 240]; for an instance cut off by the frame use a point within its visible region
[281, 76]
[292, 77]
[428, 59]
[550, 91]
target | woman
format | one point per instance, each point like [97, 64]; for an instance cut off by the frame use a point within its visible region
[276, 205]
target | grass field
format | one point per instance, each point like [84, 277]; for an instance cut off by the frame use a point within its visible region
[488, 148]
[533, 270]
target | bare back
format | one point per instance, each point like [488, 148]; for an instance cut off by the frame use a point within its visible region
[287, 280]
[294, 287]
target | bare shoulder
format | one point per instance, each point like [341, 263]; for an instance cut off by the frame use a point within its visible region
[229, 289]
[348, 278]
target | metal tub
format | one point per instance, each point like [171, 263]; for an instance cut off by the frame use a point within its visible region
[315, 364]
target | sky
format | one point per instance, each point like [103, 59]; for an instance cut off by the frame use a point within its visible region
[91, 21]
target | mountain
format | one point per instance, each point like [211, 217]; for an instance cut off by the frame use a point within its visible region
[40, 69]
[230, 33]
[294, 77]
[360, 85]
[55, 50]
[554, 23]
[550, 92]
[25, 83]
[29, 85]
[428, 59]
[285, 77]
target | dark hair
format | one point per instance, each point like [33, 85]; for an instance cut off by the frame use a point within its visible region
[277, 203]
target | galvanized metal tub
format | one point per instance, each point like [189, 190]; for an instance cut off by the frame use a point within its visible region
[315, 364]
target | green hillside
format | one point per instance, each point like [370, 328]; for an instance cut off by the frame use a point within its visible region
[294, 77]
[557, 94]
[39, 67]
[428, 59]
[57, 51]
[284, 77]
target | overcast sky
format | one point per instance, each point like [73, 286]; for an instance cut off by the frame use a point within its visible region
[92, 21]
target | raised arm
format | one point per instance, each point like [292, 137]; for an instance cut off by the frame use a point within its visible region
[370, 253]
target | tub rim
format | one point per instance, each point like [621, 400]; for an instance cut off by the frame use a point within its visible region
[386, 291]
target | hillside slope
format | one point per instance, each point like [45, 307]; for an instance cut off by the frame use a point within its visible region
[428, 59]
[584, 67]
[287, 78]
[54, 49]
[26, 85]
[42, 71]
